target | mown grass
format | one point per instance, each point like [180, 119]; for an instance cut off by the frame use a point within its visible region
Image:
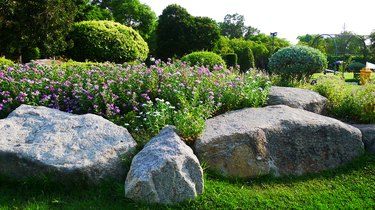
[349, 76]
[348, 187]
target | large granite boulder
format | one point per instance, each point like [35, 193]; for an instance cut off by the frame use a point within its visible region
[165, 171]
[368, 136]
[298, 98]
[38, 141]
[276, 140]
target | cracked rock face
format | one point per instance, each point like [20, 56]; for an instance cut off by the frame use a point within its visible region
[166, 171]
[38, 141]
[276, 140]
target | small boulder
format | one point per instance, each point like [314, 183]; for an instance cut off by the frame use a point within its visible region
[368, 136]
[298, 98]
[38, 141]
[276, 140]
[166, 171]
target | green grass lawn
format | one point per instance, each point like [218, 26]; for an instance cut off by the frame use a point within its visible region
[349, 187]
[349, 76]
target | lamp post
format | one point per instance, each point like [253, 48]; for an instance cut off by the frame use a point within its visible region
[273, 34]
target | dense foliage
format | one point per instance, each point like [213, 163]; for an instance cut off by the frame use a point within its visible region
[355, 104]
[241, 48]
[29, 24]
[178, 33]
[140, 98]
[204, 58]
[106, 41]
[134, 14]
[5, 62]
[230, 59]
[297, 63]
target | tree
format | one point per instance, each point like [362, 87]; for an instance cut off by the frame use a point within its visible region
[31, 23]
[172, 31]
[251, 31]
[90, 11]
[233, 26]
[104, 4]
[178, 33]
[204, 33]
[136, 15]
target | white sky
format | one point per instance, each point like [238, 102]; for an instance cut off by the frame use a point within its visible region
[290, 18]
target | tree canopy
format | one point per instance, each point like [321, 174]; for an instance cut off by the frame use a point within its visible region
[234, 27]
[136, 15]
[179, 33]
[28, 24]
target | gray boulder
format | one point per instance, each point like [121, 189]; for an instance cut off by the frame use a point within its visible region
[276, 140]
[38, 141]
[368, 136]
[166, 171]
[298, 98]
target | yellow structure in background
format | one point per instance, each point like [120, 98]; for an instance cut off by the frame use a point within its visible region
[364, 75]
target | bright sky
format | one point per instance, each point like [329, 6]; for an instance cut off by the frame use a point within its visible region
[290, 18]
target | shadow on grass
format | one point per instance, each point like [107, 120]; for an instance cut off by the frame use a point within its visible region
[361, 163]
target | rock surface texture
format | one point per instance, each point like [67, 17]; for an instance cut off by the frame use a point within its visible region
[368, 136]
[298, 98]
[276, 140]
[165, 171]
[37, 141]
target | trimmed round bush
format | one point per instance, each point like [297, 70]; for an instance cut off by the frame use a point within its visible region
[203, 58]
[5, 62]
[356, 66]
[297, 62]
[106, 41]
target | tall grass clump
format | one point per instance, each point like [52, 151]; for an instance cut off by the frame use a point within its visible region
[142, 99]
[348, 102]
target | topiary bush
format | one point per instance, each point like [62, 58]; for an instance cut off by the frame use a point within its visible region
[356, 66]
[106, 41]
[297, 63]
[245, 59]
[203, 58]
[230, 59]
[5, 62]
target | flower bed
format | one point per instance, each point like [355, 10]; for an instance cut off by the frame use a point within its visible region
[140, 98]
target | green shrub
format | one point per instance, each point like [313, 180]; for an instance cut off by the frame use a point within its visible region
[230, 59]
[245, 58]
[5, 62]
[106, 41]
[31, 54]
[297, 63]
[356, 66]
[347, 102]
[203, 58]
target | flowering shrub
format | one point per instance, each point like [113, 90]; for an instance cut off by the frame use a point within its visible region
[348, 102]
[142, 99]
